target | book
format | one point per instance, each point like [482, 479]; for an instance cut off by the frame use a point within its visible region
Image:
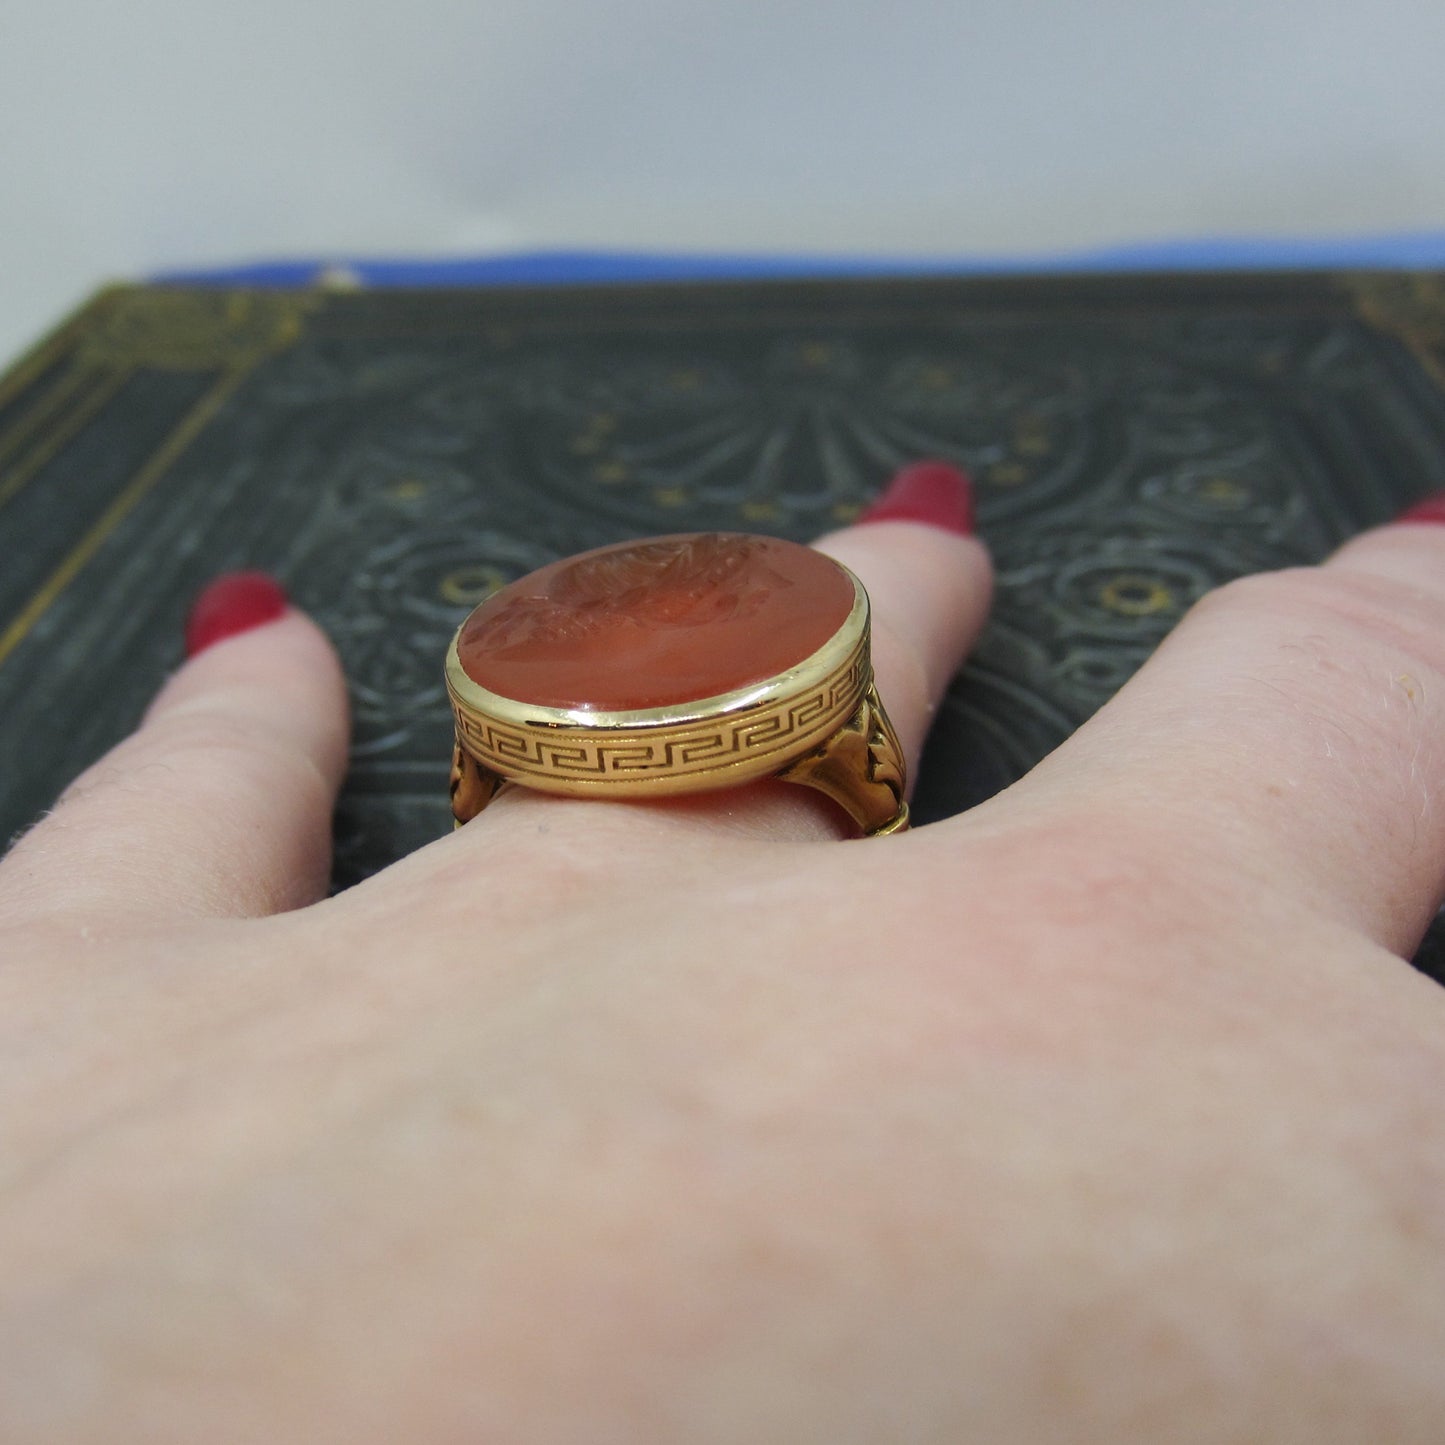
[394, 454]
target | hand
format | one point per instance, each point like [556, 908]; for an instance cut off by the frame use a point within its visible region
[1107, 1111]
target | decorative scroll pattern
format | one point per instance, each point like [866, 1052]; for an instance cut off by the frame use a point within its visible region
[472, 785]
[754, 740]
[861, 768]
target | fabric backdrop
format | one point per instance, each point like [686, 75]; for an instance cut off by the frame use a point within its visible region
[163, 133]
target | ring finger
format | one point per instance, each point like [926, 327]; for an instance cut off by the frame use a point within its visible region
[929, 581]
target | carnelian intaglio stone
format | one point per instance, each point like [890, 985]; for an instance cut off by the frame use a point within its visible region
[655, 623]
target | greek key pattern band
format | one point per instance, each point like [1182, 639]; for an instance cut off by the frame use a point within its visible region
[859, 765]
[754, 741]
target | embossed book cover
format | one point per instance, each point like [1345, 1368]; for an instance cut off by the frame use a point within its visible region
[395, 455]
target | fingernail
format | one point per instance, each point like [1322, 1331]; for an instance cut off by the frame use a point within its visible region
[1432, 509]
[935, 493]
[233, 603]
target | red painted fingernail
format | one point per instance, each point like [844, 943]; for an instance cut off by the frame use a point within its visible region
[235, 602]
[1432, 509]
[936, 493]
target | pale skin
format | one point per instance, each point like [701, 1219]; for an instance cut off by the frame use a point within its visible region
[1108, 1111]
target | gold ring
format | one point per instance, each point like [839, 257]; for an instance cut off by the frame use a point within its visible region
[675, 665]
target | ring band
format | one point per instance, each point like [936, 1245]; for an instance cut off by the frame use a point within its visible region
[675, 665]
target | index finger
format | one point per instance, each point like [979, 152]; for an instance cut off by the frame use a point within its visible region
[220, 804]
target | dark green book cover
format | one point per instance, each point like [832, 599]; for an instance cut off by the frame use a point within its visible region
[393, 455]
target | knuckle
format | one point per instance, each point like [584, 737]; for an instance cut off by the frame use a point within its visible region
[1343, 672]
[1338, 614]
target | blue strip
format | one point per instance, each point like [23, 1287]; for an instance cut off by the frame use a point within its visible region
[1419, 250]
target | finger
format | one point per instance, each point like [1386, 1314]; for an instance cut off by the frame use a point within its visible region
[929, 582]
[1292, 729]
[220, 804]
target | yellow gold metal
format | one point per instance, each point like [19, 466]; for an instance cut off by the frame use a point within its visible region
[819, 724]
[861, 768]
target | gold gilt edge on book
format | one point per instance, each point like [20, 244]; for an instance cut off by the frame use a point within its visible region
[89, 391]
[193, 328]
[711, 742]
[40, 411]
[124, 502]
[1407, 305]
[128, 329]
[122, 330]
[49, 349]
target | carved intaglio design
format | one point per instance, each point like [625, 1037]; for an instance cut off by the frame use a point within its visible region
[655, 623]
[684, 581]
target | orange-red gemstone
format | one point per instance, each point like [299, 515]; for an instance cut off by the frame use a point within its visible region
[655, 623]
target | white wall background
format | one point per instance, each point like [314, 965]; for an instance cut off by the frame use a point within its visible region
[153, 133]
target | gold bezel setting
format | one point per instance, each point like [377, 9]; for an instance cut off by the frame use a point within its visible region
[713, 742]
